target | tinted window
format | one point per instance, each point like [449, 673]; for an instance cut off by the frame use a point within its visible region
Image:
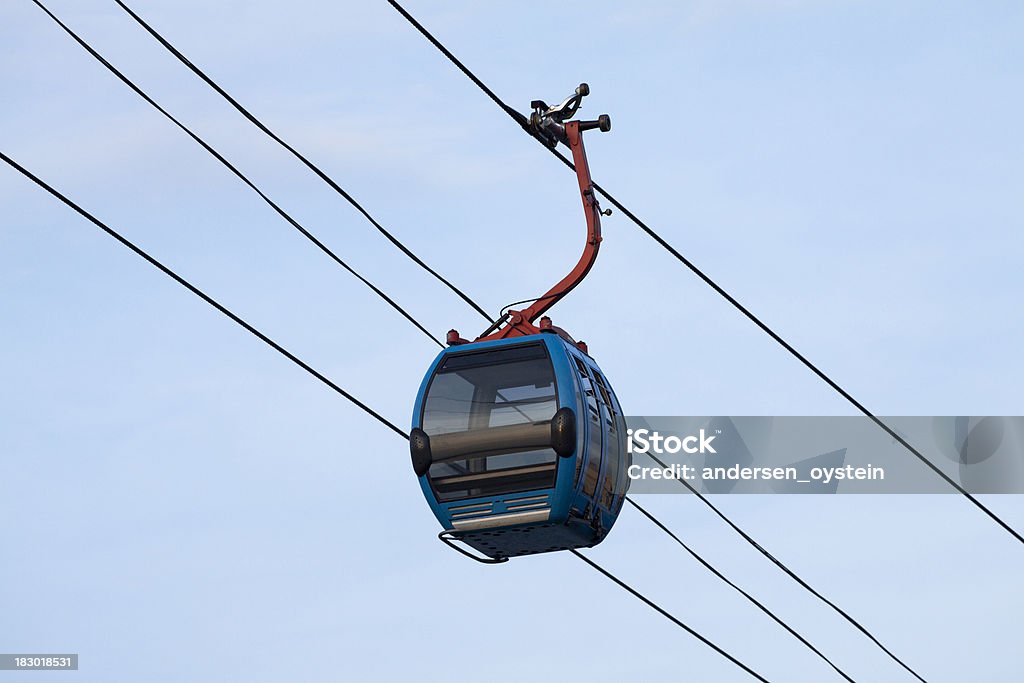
[497, 404]
[612, 420]
[594, 436]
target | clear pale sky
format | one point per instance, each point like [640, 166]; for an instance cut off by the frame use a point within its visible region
[180, 503]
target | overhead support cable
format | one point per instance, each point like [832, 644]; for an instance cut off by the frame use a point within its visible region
[305, 366]
[707, 565]
[201, 294]
[650, 603]
[281, 212]
[523, 122]
[790, 573]
[301, 157]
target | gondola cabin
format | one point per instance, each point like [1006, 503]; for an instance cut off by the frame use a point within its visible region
[521, 446]
[517, 437]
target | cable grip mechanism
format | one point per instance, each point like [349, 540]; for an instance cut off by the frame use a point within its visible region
[548, 122]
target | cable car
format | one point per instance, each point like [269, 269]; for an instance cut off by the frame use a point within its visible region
[517, 437]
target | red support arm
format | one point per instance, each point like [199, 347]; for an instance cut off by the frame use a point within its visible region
[593, 214]
[521, 322]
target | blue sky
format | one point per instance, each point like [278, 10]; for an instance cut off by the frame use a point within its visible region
[181, 503]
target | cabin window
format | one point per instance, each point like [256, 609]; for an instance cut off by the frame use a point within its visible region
[488, 415]
[594, 430]
[613, 422]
